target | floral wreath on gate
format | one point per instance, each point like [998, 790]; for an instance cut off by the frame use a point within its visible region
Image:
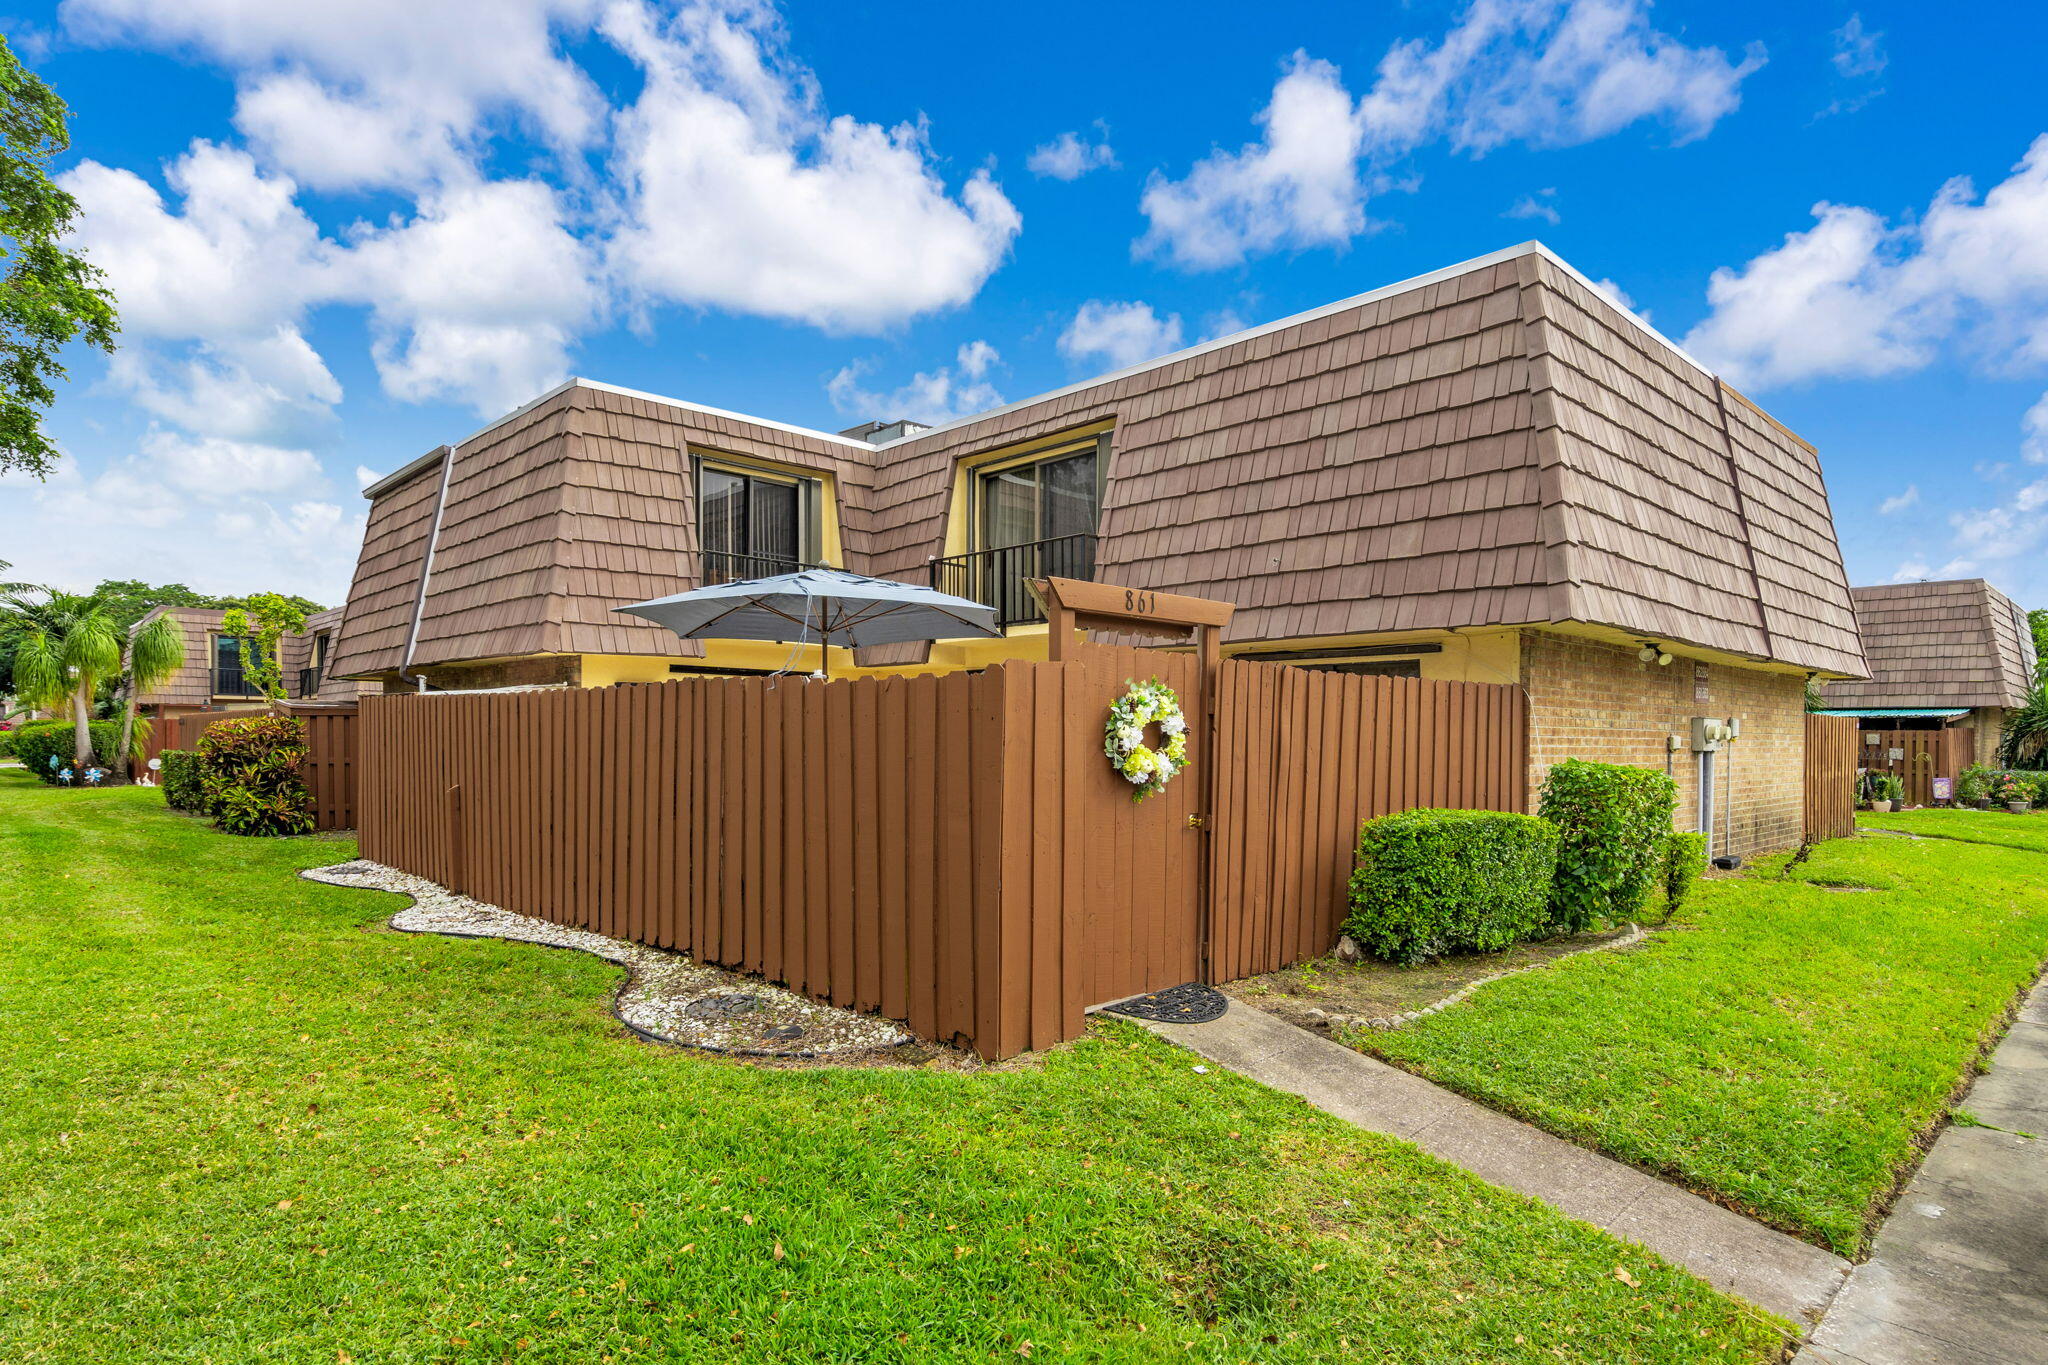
[1145, 704]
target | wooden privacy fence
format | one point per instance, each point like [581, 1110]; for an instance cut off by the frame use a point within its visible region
[952, 851]
[329, 769]
[1303, 757]
[1831, 760]
[1923, 755]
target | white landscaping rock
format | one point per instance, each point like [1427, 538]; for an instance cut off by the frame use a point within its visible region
[663, 987]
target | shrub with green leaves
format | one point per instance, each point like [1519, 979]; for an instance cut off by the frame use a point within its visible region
[183, 788]
[37, 742]
[6, 744]
[1685, 861]
[1430, 882]
[249, 775]
[1611, 822]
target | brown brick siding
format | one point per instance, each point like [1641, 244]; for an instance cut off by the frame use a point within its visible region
[1592, 700]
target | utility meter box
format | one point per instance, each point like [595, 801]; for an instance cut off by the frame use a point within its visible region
[1710, 733]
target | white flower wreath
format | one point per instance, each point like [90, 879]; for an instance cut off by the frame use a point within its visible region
[1123, 737]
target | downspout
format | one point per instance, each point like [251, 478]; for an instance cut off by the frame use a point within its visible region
[419, 600]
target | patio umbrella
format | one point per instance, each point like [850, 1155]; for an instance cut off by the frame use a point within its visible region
[819, 606]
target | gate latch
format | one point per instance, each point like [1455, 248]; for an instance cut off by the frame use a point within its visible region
[1196, 822]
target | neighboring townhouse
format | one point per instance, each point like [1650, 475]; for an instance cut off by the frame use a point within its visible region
[1955, 654]
[211, 679]
[1491, 472]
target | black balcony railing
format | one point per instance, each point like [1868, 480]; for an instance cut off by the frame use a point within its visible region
[230, 681]
[309, 683]
[1001, 577]
[724, 566]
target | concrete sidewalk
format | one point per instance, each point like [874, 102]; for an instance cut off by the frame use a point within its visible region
[1959, 1274]
[1776, 1272]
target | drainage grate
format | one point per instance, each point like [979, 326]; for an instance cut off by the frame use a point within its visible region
[1192, 1003]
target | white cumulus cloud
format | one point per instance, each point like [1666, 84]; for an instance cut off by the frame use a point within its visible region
[1546, 73]
[936, 395]
[1899, 502]
[1117, 335]
[374, 93]
[741, 193]
[478, 297]
[1071, 156]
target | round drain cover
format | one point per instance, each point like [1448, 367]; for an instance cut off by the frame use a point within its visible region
[722, 1006]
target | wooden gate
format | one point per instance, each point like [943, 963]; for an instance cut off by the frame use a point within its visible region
[1921, 756]
[1302, 757]
[1831, 759]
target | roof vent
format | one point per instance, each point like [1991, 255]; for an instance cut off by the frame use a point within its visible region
[881, 433]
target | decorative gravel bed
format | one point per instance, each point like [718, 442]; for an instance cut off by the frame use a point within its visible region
[668, 997]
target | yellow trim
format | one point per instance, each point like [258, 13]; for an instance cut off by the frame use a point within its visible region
[830, 550]
[1017, 453]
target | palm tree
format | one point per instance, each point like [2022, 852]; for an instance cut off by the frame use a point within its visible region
[2026, 730]
[66, 644]
[155, 650]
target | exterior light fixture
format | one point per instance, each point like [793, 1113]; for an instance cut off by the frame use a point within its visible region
[1653, 653]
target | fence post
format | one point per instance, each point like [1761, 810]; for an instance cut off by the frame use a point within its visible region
[458, 850]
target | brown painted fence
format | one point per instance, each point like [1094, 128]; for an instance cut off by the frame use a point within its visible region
[1923, 755]
[1832, 755]
[1304, 757]
[951, 851]
[330, 758]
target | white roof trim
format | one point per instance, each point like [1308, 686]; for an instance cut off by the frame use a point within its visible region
[1492, 258]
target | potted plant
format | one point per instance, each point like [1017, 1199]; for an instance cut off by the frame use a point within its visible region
[2015, 792]
[1973, 787]
[1886, 791]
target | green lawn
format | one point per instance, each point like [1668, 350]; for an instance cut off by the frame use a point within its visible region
[238, 1123]
[1784, 1044]
[2028, 831]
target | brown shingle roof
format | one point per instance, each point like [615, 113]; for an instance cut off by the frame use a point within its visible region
[1496, 444]
[1959, 642]
[192, 684]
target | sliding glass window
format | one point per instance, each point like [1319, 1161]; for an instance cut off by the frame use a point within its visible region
[752, 525]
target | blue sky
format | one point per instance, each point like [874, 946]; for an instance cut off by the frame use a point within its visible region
[343, 234]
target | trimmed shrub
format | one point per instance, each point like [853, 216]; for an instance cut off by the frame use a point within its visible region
[1685, 861]
[249, 775]
[1611, 823]
[1430, 882]
[183, 788]
[37, 742]
[7, 742]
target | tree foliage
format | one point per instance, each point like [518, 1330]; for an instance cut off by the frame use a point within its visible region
[257, 629]
[131, 599]
[49, 297]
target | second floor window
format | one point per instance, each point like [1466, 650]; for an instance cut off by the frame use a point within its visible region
[1042, 501]
[228, 678]
[752, 525]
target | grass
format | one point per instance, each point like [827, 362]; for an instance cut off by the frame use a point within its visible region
[240, 1123]
[2002, 827]
[1785, 1045]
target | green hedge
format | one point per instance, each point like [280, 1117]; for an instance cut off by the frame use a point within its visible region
[37, 742]
[1430, 882]
[6, 744]
[183, 788]
[1685, 861]
[249, 773]
[1611, 824]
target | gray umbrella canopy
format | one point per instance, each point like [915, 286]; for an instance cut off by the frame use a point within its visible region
[815, 606]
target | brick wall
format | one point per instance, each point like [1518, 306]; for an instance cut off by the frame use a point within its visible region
[1598, 701]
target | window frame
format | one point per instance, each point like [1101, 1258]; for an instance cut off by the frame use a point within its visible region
[1052, 452]
[809, 504]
